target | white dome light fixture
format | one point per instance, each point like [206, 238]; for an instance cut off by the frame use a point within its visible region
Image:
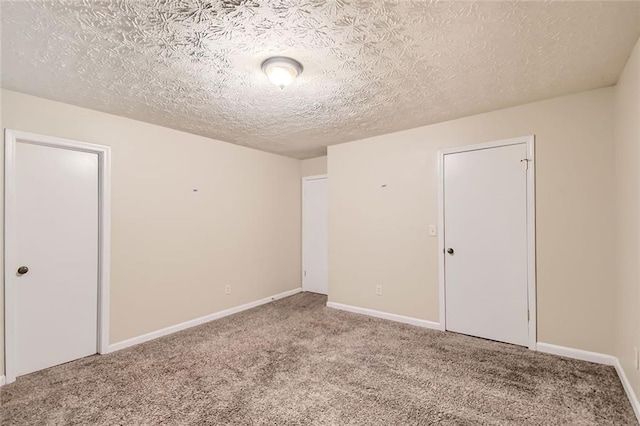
[281, 71]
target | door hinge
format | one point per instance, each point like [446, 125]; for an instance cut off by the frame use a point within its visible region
[528, 315]
[525, 162]
[305, 273]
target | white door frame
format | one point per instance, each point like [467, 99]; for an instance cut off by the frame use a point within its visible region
[304, 180]
[104, 239]
[531, 226]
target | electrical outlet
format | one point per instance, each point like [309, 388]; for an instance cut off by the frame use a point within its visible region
[227, 289]
[635, 350]
[379, 290]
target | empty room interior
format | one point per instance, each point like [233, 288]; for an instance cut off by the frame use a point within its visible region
[329, 212]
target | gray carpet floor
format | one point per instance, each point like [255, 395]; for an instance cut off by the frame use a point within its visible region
[297, 362]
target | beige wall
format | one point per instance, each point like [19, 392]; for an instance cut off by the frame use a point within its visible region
[313, 166]
[627, 182]
[379, 236]
[1, 246]
[174, 250]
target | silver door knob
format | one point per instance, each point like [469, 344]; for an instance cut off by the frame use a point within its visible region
[450, 251]
[22, 270]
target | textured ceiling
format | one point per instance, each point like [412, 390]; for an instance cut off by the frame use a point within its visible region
[370, 67]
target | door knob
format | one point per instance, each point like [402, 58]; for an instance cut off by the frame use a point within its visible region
[22, 270]
[450, 250]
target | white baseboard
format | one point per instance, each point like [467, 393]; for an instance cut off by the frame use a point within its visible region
[198, 321]
[386, 315]
[633, 399]
[576, 354]
[3, 380]
[597, 358]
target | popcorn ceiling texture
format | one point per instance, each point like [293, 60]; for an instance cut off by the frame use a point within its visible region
[371, 67]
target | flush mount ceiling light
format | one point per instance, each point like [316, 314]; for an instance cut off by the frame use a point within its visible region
[281, 71]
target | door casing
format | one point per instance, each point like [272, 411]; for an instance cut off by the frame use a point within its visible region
[104, 238]
[531, 227]
[304, 181]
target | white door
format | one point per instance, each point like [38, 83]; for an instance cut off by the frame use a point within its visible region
[56, 238]
[315, 228]
[485, 225]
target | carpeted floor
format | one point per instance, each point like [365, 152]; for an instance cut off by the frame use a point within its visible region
[294, 361]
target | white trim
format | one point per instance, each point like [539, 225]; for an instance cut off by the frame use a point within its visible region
[305, 179]
[580, 354]
[487, 145]
[104, 161]
[532, 278]
[315, 177]
[441, 260]
[197, 321]
[633, 399]
[598, 358]
[531, 225]
[3, 380]
[386, 315]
